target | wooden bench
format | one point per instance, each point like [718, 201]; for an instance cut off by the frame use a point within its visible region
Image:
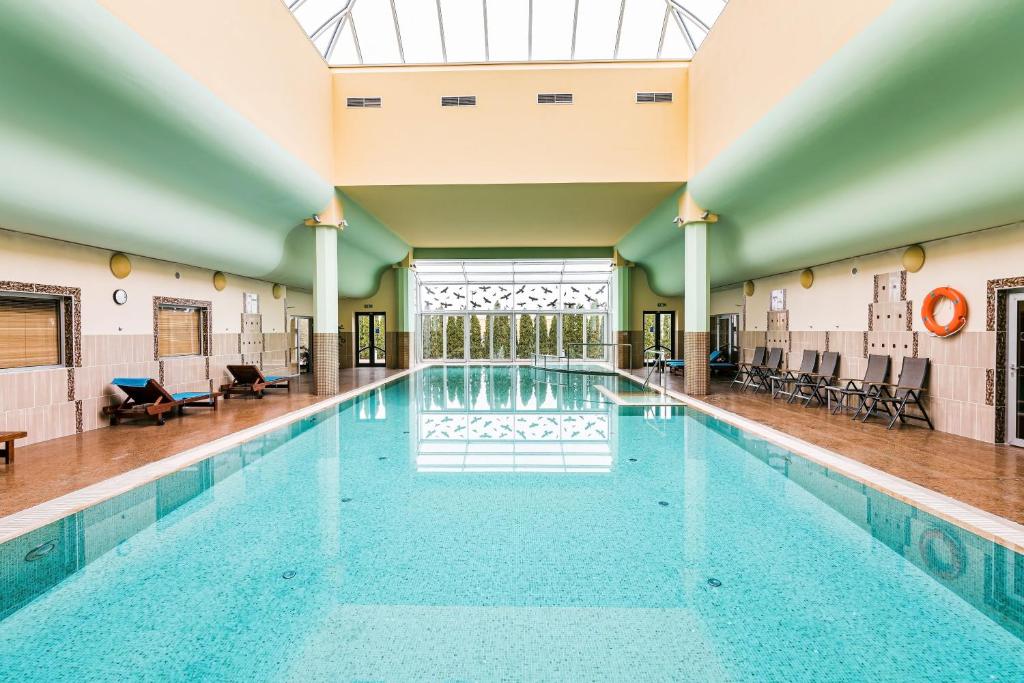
[7, 441]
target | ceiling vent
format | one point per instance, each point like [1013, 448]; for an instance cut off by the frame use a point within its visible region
[459, 101]
[363, 102]
[554, 98]
[651, 97]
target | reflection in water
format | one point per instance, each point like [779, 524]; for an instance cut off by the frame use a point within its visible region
[491, 419]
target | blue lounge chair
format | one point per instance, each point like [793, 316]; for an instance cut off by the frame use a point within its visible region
[717, 362]
[145, 397]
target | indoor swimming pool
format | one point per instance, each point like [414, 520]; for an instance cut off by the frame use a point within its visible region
[499, 523]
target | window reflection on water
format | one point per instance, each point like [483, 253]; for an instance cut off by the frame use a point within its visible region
[501, 419]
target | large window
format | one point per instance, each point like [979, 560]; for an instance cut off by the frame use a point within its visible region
[179, 331]
[30, 332]
[510, 310]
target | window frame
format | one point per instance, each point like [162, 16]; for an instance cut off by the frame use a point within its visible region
[61, 303]
[205, 309]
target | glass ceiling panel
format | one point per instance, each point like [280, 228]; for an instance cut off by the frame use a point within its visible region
[421, 37]
[463, 29]
[375, 25]
[552, 29]
[349, 32]
[596, 27]
[508, 23]
[641, 29]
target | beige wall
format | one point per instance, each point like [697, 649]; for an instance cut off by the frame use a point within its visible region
[52, 262]
[117, 341]
[757, 53]
[382, 302]
[963, 393]
[508, 138]
[646, 300]
[728, 300]
[253, 56]
[965, 262]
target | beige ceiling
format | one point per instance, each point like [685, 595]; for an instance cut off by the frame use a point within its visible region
[522, 215]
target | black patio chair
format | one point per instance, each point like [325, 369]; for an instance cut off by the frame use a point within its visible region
[908, 392]
[811, 386]
[782, 381]
[742, 376]
[760, 374]
[845, 389]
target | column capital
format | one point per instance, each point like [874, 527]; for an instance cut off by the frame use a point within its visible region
[691, 212]
[331, 216]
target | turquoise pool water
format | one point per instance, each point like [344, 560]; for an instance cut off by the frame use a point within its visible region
[474, 524]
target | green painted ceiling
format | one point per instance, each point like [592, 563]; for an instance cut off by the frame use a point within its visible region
[912, 131]
[106, 142]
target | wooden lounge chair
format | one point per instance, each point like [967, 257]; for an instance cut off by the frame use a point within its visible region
[742, 376]
[845, 389]
[781, 381]
[145, 397]
[908, 392]
[760, 374]
[249, 379]
[7, 442]
[811, 386]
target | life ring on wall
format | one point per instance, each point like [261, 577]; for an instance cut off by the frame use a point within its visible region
[931, 300]
[929, 543]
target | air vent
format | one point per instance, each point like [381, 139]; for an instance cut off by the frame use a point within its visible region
[651, 97]
[363, 102]
[460, 101]
[554, 98]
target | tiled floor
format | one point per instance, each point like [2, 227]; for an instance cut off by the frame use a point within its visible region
[987, 476]
[48, 469]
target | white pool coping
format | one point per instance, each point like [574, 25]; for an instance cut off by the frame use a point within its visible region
[985, 524]
[997, 529]
[38, 516]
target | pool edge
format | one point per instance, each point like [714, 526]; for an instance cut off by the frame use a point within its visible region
[987, 525]
[25, 521]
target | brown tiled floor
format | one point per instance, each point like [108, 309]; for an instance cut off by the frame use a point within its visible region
[48, 469]
[987, 476]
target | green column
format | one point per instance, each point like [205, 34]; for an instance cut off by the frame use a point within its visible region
[405, 323]
[696, 308]
[623, 315]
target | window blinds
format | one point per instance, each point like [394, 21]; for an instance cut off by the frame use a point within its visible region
[29, 332]
[179, 332]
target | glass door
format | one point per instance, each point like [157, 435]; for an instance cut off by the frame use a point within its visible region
[501, 337]
[659, 330]
[725, 334]
[1014, 376]
[526, 335]
[479, 336]
[455, 337]
[370, 329]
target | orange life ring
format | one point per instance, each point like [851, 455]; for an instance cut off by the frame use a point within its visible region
[931, 300]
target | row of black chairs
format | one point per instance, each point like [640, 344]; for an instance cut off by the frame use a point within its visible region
[819, 382]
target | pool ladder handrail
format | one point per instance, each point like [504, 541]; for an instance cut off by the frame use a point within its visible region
[658, 354]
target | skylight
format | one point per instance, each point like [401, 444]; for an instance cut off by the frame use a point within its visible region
[349, 32]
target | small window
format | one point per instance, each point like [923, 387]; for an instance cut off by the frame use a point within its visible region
[778, 299]
[458, 101]
[653, 97]
[30, 332]
[554, 98]
[180, 331]
[250, 302]
[363, 102]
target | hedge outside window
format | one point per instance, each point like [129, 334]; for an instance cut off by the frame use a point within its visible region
[179, 331]
[30, 332]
